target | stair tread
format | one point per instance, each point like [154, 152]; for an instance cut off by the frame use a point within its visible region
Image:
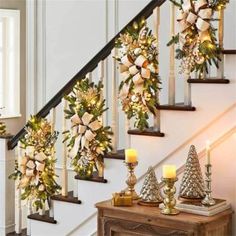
[209, 81]
[94, 178]
[229, 51]
[44, 218]
[147, 132]
[70, 198]
[176, 107]
[119, 155]
[23, 233]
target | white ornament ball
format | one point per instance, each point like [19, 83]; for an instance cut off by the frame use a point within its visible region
[134, 98]
[137, 51]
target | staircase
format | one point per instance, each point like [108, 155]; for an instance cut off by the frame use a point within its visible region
[209, 114]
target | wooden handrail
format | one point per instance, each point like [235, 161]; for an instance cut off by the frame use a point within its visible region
[90, 66]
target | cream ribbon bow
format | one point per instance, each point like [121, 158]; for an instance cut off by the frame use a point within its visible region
[84, 129]
[31, 165]
[195, 13]
[138, 69]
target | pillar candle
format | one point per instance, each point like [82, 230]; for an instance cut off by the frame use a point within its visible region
[169, 171]
[130, 156]
[208, 150]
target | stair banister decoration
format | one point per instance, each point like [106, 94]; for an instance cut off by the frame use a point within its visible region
[139, 72]
[35, 165]
[101, 61]
[88, 140]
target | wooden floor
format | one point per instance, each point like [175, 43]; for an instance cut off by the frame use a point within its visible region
[15, 234]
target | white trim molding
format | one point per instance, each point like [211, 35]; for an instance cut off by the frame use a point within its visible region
[36, 55]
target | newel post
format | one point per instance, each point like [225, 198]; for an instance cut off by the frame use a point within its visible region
[7, 188]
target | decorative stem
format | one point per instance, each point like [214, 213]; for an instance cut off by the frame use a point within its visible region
[169, 200]
[131, 180]
[208, 200]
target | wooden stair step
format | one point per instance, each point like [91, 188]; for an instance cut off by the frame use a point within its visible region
[209, 81]
[94, 178]
[176, 107]
[70, 198]
[119, 155]
[44, 218]
[229, 51]
[23, 233]
[147, 132]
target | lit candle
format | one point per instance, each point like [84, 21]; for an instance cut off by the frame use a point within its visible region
[208, 149]
[169, 171]
[130, 156]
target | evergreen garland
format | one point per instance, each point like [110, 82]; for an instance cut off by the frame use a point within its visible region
[35, 169]
[198, 48]
[138, 90]
[88, 140]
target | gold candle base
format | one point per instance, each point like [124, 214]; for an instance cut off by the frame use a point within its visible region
[131, 180]
[169, 200]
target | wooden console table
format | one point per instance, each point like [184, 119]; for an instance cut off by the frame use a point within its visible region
[142, 220]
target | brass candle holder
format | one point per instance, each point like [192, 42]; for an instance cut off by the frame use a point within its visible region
[169, 199]
[131, 180]
[208, 200]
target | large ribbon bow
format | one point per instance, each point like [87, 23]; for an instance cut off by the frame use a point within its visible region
[138, 69]
[31, 165]
[195, 13]
[84, 128]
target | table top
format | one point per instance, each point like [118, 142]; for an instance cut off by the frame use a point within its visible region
[155, 212]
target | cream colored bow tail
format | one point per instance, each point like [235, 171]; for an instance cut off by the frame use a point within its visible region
[84, 128]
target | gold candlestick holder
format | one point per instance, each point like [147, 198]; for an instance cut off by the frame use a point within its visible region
[131, 180]
[208, 200]
[169, 199]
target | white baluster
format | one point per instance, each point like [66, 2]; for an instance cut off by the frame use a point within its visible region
[100, 167]
[172, 57]
[156, 22]
[18, 217]
[51, 208]
[64, 190]
[127, 127]
[29, 212]
[53, 118]
[187, 90]
[75, 188]
[42, 211]
[114, 123]
[220, 71]
[89, 76]
[101, 76]
[53, 122]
